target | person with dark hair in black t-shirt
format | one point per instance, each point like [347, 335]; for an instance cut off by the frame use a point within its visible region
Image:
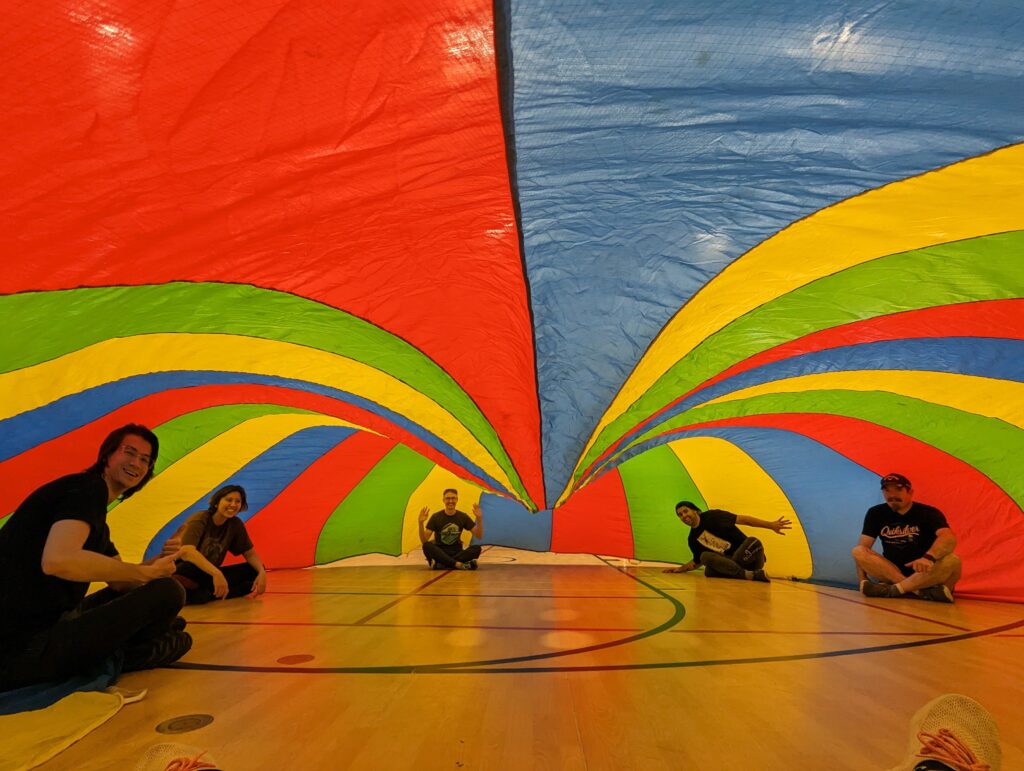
[723, 549]
[917, 558]
[445, 550]
[54, 545]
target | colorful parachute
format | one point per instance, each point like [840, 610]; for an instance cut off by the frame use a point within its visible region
[579, 260]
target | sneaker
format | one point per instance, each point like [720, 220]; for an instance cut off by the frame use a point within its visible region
[472, 565]
[175, 757]
[462, 566]
[178, 624]
[158, 652]
[881, 589]
[760, 575]
[430, 564]
[956, 731]
[937, 593]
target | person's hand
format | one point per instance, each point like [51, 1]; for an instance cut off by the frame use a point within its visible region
[259, 585]
[477, 513]
[171, 546]
[161, 567]
[672, 570]
[220, 585]
[781, 524]
[921, 565]
[424, 513]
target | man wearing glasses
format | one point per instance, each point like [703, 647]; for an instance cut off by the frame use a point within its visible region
[445, 551]
[54, 545]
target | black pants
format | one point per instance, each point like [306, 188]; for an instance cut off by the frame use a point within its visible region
[435, 553]
[239, 578]
[102, 624]
[749, 555]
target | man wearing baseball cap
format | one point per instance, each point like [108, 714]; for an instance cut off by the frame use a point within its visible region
[917, 558]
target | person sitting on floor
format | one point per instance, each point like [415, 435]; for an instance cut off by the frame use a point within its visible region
[205, 539]
[445, 550]
[917, 558]
[723, 549]
[54, 545]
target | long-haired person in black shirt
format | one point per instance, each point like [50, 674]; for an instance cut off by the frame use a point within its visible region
[54, 545]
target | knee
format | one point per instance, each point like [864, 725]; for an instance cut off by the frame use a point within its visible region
[952, 563]
[859, 552]
[166, 594]
[705, 558]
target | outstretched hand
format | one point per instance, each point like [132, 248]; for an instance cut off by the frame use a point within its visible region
[477, 512]
[424, 513]
[781, 524]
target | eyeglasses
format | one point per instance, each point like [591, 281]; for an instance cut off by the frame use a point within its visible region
[134, 454]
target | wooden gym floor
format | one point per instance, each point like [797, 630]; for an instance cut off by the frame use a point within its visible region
[553, 662]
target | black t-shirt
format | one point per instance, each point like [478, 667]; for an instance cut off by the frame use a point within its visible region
[448, 530]
[214, 541]
[905, 537]
[30, 600]
[716, 532]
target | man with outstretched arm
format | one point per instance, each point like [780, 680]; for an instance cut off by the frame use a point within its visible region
[54, 545]
[721, 547]
[917, 558]
[445, 527]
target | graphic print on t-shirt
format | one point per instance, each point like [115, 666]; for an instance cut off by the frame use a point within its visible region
[449, 534]
[899, 535]
[713, 542]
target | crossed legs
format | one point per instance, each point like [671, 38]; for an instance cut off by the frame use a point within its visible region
[871, 564]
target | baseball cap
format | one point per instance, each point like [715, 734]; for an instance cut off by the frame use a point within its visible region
[896, 479]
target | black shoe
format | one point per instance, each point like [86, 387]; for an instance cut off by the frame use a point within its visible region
[178, 624]
[883, 589]
[158, 652]
[472, 565]
[760, 575]
[937, 593]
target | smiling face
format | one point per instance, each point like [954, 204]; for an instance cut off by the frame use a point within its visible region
[450, 499]
[229, 506]
[127, 465]
[689, 517]
[898, 497]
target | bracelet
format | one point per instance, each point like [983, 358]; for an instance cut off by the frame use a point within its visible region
[928, 557]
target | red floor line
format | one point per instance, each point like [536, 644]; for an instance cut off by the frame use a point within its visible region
[863, 603]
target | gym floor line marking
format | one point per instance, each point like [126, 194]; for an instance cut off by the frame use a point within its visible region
[678, 613]
[454, 669]
[864, 604]
[466, 594]
[349, 624]
[404, 597]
